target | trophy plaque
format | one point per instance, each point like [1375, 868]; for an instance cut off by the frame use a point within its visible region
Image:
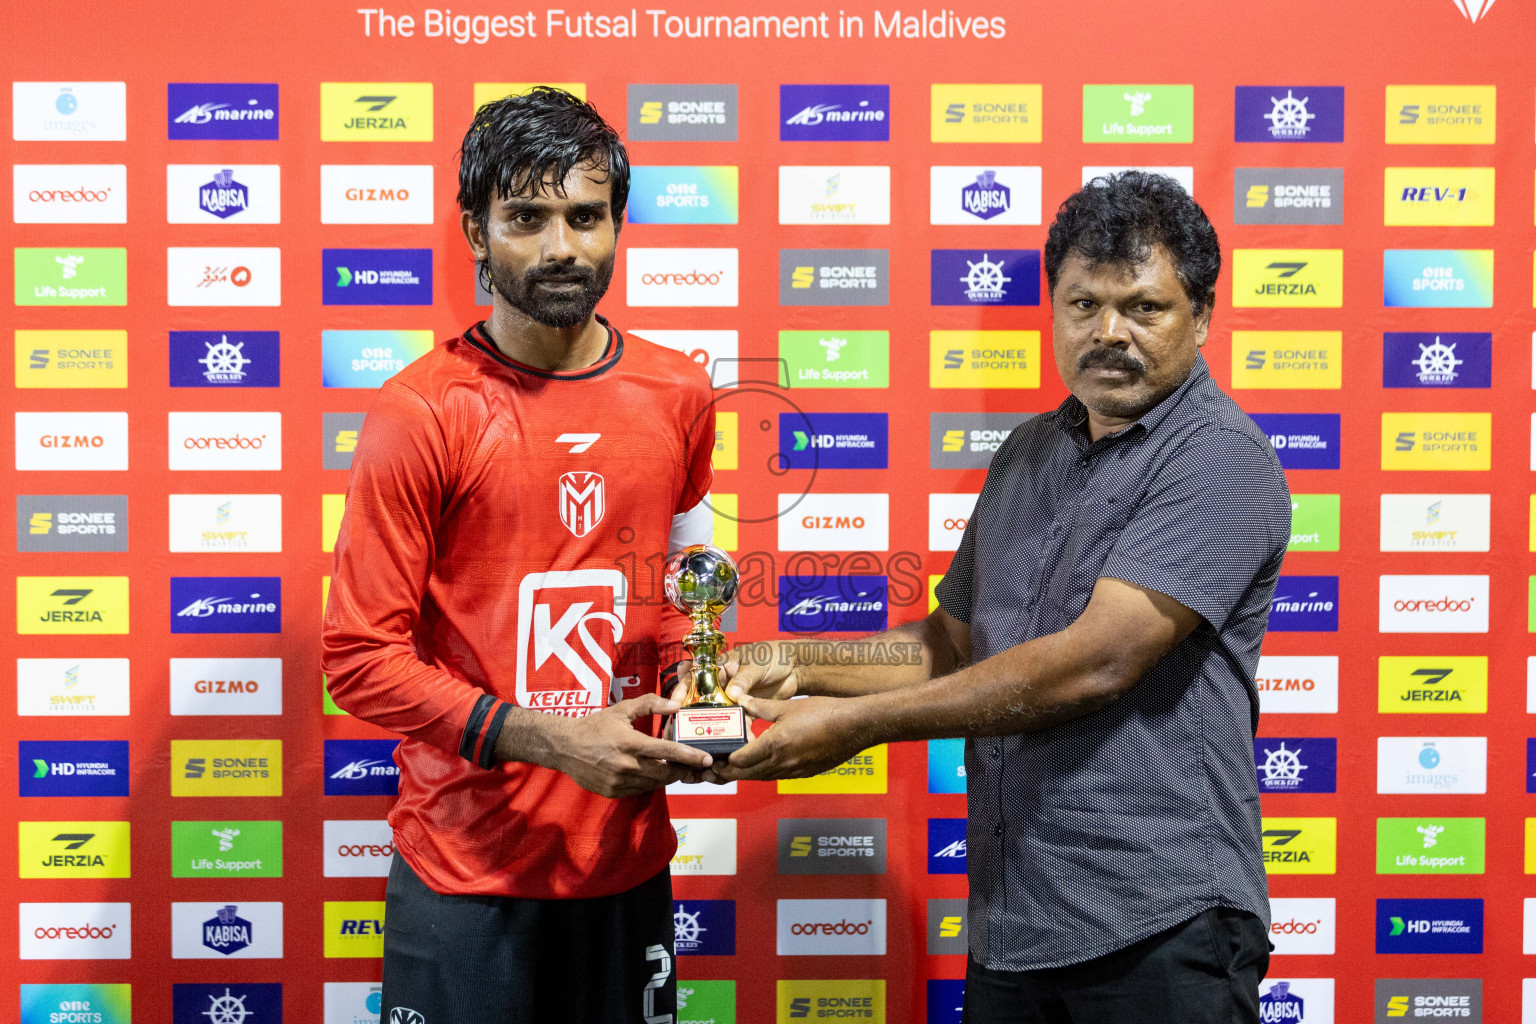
[700, 582]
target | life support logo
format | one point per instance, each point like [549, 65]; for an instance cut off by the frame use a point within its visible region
[569, 626]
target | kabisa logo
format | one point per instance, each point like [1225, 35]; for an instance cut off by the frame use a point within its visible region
[1279, 1006]
[974, 277]
[77, 1004]
[223, 197]
[832, 604]
[833, 440]
[73, 767]
[1295, 765]
[682, 113]
[704, 927]
[260, 1003]
[946, 846]
[985, 197]
[984, 113]
[849, 113]
[1288, 278]
[1436, 360]
[832, 846]
[834, 277]
[361, 767]
[1441, 114]
[225, 359]
[1438, 278]
[959, 440]
[683, 195]
[1288, 195]
[1305, 604]
[218, 931]
[376, 111]
[831, 927]
[1289, 113]
[1429, 926]
[221, 111]
[70, 522]
[366, 359]
[376, 277]
[227, 932]
[69, 111]
[997, 196]
[1303, 440]
[226, 604]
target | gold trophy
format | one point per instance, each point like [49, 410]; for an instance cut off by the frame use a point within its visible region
[700, 582]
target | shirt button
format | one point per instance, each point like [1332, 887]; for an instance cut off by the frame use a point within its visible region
[997, 752]
[997, 829]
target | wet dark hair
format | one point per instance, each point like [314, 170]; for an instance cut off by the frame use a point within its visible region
[519, 143]
[1118, 218]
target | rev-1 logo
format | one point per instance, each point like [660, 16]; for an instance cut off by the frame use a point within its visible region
[575, 618]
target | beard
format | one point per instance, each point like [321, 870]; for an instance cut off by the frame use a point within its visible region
[570, 309]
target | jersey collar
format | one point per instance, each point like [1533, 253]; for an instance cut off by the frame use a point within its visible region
[478, 337]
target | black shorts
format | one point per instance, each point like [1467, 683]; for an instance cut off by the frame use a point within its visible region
[502, 960]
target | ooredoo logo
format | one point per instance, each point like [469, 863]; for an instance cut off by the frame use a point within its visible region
[358, 849]
[70, 193]
[1433, 604]
[226, 441]
[1303, 926]
[831, 927]
[682, 277]
[75, 931]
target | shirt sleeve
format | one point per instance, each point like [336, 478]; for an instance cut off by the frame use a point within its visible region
[699, 434]
[1217, 511]
[384, 555]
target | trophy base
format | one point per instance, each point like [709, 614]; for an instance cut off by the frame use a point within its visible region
[718, 731]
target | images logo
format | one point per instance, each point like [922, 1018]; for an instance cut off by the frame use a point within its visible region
[76, 931]
[361, 768]
[221, 111]
[73, 767]
[681, 277]
[984, 359]
[376, 111]
[845, 113]
[704, 927]
[226, 441]
[1436, 360]
[705, 846]
[1296, 765]
[975, 277]
[1429, 926]
[984, 113]
[832, 846]
[1289, 113]
[1280, 195]
[55, 1004]
[1439, 196]
[831, 927]
[376, 193]
[224, 359]
[1302, 440]
[71, 359]
[1277, 278]
[71, 277]
[831, 604]
[224, 276]
[1138, 113]
[1415, 764]
[69, 111]
[946, 766]
[682, 113]
[1287, 359]
[85, 605]
[73, 849]
[1433, 604]
[226, 604]
[226, 849]
[216, 1004]
[946, 846]
[1430, 846]
[1305, 604]
[683, 195]
[963, 440]
[69, 193]
[366, 359]
[376, 277]
[1438, 278]
[1444, 684]
[1441, 114]
[834, 277]
[833, 440]
[1298, 684]
[1436, 440]
[1300, 846]
[984, 195]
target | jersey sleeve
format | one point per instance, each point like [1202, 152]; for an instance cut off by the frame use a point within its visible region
[699, 440]
[384, 555]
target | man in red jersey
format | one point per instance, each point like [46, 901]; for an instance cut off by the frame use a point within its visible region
[506, 490]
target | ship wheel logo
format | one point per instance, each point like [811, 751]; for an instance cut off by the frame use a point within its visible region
[1437, 363]
[686, 927]
[1288, 119]
[226, 1009]
[225, 360]
[1282, 767]
[984, 281]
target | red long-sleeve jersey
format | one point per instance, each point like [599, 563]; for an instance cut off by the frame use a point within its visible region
[501, 546]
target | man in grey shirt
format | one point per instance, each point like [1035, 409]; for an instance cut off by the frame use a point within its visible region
[1096, 642]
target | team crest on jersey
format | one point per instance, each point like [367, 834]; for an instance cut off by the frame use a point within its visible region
[569, 625]
[582, 501]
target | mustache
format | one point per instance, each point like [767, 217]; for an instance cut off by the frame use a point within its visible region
[584, 275]
[1110, 358]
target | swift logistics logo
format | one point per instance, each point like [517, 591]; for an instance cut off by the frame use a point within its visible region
[1138, 113]
[1412, 359]
[1439, 684]
[69, 193]
[832, 846]
[226, 849]
[226, 768]
[73, 849]
[992, 277]
[73, 767]
[946, 846]
[1296, 765]
[354, 929]
[222, 110]
[71, 359]
[76, 1004]
[968, 440]
[1300, 846]
[1437, 278]
[1435, 522]
[1302, 440]
[834, 113]
[69, 111]
[214, 931]
[71, 277]
[1314, 522]
[1441, 114]
[1305, 604]
[834, 440]
[375, 111]
[361, 768]
[853, 927]
[226, 522]
[683, 195]
[1289, 113]
[984, 113]
[832, 604]
[704, 927]
[1288, 278]
[80, 605]
[830, 1001]
[705, 846]
[682, 113]
[992, 195]
[1426, 998]
[681, 277]
[1429, 926]
[376, 277]
[71, 522]
[375, 193]
[1288, 195]
[226, 604]
[1288, 359]
[258, 1003]
[366, 359]
[1433, 604]
[71, 687]
[833, 195]
[1438, 196]
[1431, 846]
[834, 277]
[984, 359]
[946, 927]
[1432, 765]
[1298, 684]
[1436, 441]
[225, 359]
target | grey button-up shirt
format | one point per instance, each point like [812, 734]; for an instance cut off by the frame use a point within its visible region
[1093, 834]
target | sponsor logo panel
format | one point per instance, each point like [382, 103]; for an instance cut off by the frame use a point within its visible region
[226, 440]
[1436, 360]
[946, 1000]
[71, 522]
[226, 522]
[831, 604]
[71, 277]
[946, 846]
[831, 1001]
[704, 927]
[946, 766]
[834, 440]
[706, 1002]
[1438, 196]
[71, 440]
[1438, 278]
[1138, 113]
[73, 767]
[984, 113]
[354, 929]
[948, 515]
[226, 768]
[835, 522]
[1289, 113]
[340, 431]
[82, 605]
[715, 351]
[366, 359]
[705, 846]
[76, 1004]
[226, 604]
[222, 110]
[375, 111]
[214, 194]
[71, 359]
[833, 195]
[683, 195]
[1429, 926]
[1441, 114]
[1305, 604]
[1298, 684]
[69, 111]
[1436, 440]
[681, 277]
[834, 113]
[1287, 195]
[1300, 846]
[992, 195]
[1429, 998]
[353, 1002]
[1419, 764]
[361, 768]
[69, 193]
[968, 440]
[376, 277]
[1433, 604]
[1303, 926]
[358, 849]
[1314, 522]
[832, 846]
[73, 849]
[226, 686]
[71, 687]
[216, 931]
[946, 927]
[1298, 1000]
[213, 1004]
[1442, 684]
[1431, 846]
[984, 359]
[682, 113]
[1302, 440]
[1288, 278]
[837, 359]
[76, 931]
[224, 276]
[831, 927]
[1296, 764]
[864, 772]
[376, 193]
[1288, 359]
[224, 359]
[226, 849]
[834, 277]
[977, 277]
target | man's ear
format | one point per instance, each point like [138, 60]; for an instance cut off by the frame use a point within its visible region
[474, 234]
[1203, 320]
